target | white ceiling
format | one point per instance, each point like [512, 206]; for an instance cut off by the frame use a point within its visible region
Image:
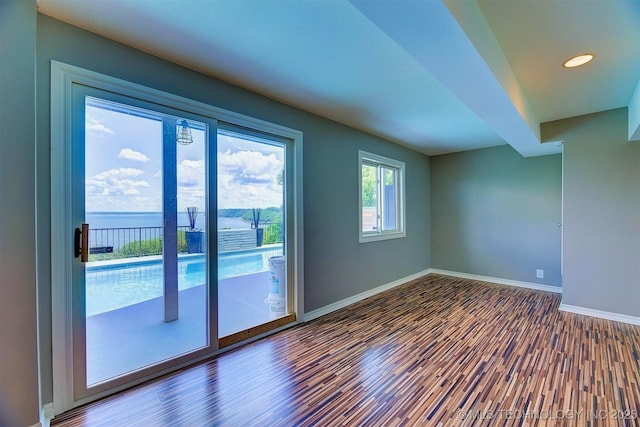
[437, 76]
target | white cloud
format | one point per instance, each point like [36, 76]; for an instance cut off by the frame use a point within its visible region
[131, 191]
[136, 156]
[245, 178]
[191, 173]
[119, 172]
[92, 124]
[250, 166]
[116, 188]
[191, 184]
[249, 179]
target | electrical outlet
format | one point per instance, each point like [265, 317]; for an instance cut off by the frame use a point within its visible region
[540, 274]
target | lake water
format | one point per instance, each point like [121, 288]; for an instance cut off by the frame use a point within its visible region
[153, 219]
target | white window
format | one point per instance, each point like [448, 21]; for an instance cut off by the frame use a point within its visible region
[381, 196]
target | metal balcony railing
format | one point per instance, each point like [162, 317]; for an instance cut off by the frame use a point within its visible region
[147, 241]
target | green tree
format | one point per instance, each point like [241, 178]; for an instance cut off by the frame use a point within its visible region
[149, 247]
[369, 186]
[141, 248]
[272, 214]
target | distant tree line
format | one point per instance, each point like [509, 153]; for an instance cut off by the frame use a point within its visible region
[271, 215]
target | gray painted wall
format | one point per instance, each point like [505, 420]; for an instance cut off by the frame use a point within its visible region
[495, 213]
[18, 333]
[336, 265]
[601, 212]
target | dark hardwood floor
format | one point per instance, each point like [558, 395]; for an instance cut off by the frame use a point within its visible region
[437, 351]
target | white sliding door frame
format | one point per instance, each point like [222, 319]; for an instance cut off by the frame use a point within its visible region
[63, 77]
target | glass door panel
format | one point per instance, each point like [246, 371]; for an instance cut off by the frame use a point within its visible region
[252, 273]
[143, 296]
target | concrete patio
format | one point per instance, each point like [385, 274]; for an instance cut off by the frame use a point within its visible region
[136, 336]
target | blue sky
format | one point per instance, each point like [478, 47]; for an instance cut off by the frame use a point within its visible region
[124, 167]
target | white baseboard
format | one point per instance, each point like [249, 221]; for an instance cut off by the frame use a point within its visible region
[314, 314]
[563, 307]
[508, 282]
[601, 314]
[556, 289]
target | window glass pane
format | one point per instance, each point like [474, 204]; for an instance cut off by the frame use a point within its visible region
[369, 198]
[252, 279]
[382, 196]
[389, 199]
[145, 299]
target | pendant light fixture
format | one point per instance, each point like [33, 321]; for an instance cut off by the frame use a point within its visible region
[183, 132]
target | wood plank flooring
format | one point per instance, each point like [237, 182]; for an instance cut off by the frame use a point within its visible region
[437, 351]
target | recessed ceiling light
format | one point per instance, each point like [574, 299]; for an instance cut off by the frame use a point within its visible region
[577, 61]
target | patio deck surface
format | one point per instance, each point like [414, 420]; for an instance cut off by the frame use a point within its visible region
[136, 336]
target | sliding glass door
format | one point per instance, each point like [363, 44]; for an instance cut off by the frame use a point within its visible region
[254, 295]
[141, 288]
[183, 239]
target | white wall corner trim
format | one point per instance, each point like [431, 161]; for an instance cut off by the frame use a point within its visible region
[599, 313]
[634, 115]
[46, 415]
[508, 282]
[314, 314]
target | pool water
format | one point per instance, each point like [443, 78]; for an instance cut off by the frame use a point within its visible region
[238, 265]
[116, 286]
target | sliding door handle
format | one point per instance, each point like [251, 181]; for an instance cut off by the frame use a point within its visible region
[81, 243]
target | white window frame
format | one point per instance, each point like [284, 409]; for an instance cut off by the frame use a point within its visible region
[365, 157]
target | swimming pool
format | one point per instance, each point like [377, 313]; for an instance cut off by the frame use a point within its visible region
[112, 286]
